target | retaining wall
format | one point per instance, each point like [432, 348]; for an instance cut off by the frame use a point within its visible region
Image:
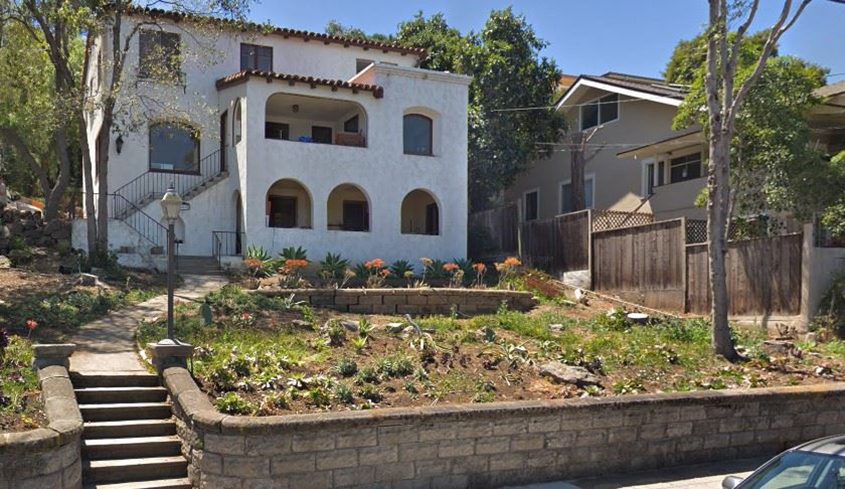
[46, 457]
[490, 445]
[410, 301]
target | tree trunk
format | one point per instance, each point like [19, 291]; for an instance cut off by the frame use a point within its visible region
[52, 204]
[88, 185]
[103, 188]
[576, 171]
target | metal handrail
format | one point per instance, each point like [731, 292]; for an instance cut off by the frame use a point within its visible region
[151, 185]
[144, 224]
[227, 243]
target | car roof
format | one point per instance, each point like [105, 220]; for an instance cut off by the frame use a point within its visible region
[831, 445]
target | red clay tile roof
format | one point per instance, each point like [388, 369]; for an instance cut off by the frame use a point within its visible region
[242, 76]
[281, 31]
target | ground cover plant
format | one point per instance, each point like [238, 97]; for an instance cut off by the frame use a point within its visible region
[20, 400]
[262, 356]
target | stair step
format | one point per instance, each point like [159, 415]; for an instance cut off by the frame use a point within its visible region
[127, 410]
[129, 428]
[150, 446]
[134, 469]
[115, 379]
[183, 483]
[97, 395]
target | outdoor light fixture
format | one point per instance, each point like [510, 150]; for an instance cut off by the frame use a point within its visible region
[295, 108]
[118, 143]
[171, 204]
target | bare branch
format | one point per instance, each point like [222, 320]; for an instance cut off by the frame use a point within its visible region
[740, 33]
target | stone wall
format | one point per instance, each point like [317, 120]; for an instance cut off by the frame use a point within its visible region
[410, 301]
[46, 457]
[29, 225]
[490, 445]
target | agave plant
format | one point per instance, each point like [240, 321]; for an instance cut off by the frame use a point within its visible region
[259, 262]
[400, 267]
[333, 266]
[291, 253]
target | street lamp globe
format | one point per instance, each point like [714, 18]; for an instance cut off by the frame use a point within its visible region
[171, 204]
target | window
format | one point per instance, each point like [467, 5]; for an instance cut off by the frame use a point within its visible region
[417, 135]
[566, 195]
[254, 57]
[159, 55]
[361, 64]
[282, 211]
[351, 124]
[355, 216]
[173, 147]
[237, 125]
[532, 205]
[276, 130]
[600, 111]
[320, 134]
[685, 168]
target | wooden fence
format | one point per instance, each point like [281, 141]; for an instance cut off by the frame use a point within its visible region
[560, 244]
[763, 275]
[642, 264]
[494, 232]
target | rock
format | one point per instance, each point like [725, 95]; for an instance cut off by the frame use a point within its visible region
[778, 346]
[394, 328]
[580, 296]
[5, 262]
[350, 325]
[556, 328]
[568, 374]
[301, 324]
[87, 280]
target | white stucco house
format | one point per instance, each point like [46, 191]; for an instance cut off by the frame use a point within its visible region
[277, 137]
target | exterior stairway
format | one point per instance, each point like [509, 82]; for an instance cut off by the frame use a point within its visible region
[197, 265]
[129, 437]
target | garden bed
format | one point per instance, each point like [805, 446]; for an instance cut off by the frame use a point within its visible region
[271, 355]
[20, 398]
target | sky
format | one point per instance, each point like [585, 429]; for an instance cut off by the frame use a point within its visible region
[584, 36]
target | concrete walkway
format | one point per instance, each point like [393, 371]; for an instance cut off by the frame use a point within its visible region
[108, 344]
[704, 476]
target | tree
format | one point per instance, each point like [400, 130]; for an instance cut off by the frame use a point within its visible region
[690, 56]
[726, 87]
[335, 28]
[36, 100]
[577, 143]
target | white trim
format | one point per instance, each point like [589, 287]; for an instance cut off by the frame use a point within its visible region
[406, 71]
[644, 180]
[587, 176]
[525, 205]
[614, 89]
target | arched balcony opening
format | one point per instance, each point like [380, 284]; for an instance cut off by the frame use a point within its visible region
[420, 213]
[288, 205]
[315, 120]
[348, 209]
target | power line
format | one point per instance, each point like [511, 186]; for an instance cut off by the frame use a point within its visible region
[546, 107]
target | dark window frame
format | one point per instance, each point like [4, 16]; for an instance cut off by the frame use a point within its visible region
[536, 209]
[430, 122]
[328, 129]
[150, 37]
[692, 160]
[187, 127]
[284, 127]
[295, 216]
[254, 58]
[365, 208]
[600, 104]
[352, 127]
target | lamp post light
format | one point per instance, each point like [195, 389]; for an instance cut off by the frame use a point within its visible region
[171, 204]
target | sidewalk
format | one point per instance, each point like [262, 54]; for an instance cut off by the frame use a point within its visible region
[108, 344]
[705, 476]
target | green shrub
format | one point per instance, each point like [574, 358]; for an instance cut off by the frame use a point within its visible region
[400, 267]
[346, 367]
[371, 393]
[333, 267]
[233, 403]
[343, 394]
[335, 333]
[291, 253]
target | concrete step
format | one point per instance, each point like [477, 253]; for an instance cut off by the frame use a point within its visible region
[149, 446]
[129, 428]
[98, 395]
[134, 469]
[125, 411]
[182, 483]
[113, 379]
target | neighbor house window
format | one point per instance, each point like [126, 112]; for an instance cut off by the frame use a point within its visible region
[685, 168]
[159, 54]
[174, 147]
[566, 195]
[532, 205]
[600, 111]
[417, 135]
[254, 57]
[276, 130]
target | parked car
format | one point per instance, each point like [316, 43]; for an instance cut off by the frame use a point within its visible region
[819, 464]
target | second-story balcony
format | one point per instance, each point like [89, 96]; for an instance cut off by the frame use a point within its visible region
[315, 120]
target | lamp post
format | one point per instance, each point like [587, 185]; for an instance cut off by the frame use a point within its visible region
[171, 204]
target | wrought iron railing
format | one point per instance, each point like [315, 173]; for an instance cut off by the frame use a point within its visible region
[151, 185]
[142, 223]
[227, 243]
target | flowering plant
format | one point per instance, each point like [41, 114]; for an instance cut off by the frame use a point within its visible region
[290, 274]
[31, 324]
[507, 270]
[480, 270]
[456, 274]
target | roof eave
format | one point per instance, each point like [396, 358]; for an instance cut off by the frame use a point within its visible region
[587, 82]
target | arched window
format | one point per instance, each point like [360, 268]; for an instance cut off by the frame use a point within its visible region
[417, 135]
[174, 147]
[420, 213]
[237, 123]
[348, 209]
[288, 205]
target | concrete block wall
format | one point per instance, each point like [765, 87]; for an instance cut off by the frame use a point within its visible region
[410, 301]
[46, 457]
[491, 445]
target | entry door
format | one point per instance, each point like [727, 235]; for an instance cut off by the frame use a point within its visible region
[355, 215]
[282, 212]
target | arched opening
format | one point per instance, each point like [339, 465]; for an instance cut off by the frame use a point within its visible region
[420, 213]
[174, 147]
[315, 120]
[418, 134]
[237, 122]
[348, 209]
[288, 205]
[239, 223]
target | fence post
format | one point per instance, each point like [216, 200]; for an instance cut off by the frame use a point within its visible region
[685, 265]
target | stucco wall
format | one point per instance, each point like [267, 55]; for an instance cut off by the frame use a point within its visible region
[618, 182]
[490, 445]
